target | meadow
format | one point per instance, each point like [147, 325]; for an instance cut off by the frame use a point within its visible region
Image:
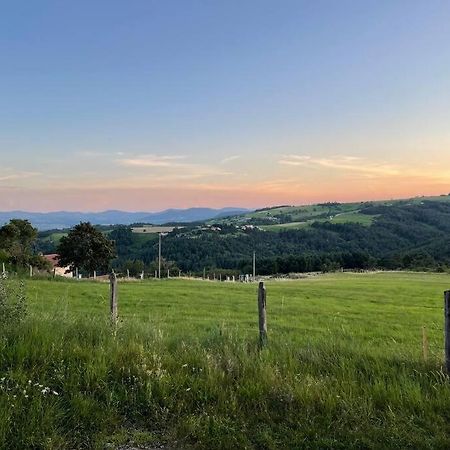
[344, 365]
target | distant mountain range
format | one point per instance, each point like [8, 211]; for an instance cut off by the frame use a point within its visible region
[65, 219]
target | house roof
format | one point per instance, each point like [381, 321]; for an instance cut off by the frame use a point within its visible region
[53, 259]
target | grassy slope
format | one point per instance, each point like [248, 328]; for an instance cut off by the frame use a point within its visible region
[347, 217]
[54, 237]
[342, 213]
[343, 368]
[195, 306]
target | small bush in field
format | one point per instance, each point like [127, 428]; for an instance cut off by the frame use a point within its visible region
[13, 304]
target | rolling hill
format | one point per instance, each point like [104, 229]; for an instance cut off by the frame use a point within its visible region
[64, 219]
[401, 234]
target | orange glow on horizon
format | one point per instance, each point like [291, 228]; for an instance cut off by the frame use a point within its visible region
[155, 199]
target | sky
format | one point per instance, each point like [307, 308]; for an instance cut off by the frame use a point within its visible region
[146, 105]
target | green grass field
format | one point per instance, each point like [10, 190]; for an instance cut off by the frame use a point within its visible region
[354, 217]
[351, 217]
[343, 368]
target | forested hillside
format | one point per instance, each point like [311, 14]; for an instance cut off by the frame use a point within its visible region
[400, 235]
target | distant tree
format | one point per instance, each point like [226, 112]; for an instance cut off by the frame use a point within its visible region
[85, 248]
[17, 239]
[135, 267]
[165, 265]
[122, 236]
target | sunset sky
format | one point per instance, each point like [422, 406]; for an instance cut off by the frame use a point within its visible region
[145, 105]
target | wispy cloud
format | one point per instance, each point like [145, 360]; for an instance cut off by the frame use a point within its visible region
[230, 159]
[170, 168]
[343, 163]
[151, 161]
[97, 154]
[9, 175]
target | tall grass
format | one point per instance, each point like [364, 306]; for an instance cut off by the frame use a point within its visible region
[73, 384]
[68, 381]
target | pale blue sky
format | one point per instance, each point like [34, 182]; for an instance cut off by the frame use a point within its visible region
[219, 103]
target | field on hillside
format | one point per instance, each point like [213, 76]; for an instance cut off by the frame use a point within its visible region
[343, 368]
[351, 217]
[296, 217]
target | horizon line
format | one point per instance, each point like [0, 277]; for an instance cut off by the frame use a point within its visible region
[221, 208]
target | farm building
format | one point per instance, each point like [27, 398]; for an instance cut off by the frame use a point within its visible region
[60, 271]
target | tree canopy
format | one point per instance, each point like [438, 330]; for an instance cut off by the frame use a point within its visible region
[85, 248]
[16, 241]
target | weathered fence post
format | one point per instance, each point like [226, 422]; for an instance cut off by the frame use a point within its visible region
[113, 297]
[31, 270]
[425, 344]
[447, 329]
[262, 314]
[3, 270]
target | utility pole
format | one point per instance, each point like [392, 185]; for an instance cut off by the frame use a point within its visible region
[159, 257]
[254, 266]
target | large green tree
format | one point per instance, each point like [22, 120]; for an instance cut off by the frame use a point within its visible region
[17, 239]
[85, 248]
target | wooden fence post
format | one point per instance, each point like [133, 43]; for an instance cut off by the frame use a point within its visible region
[113, 297]
[447, 329]
[31, 270]
[425, 345]
[262, 314]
